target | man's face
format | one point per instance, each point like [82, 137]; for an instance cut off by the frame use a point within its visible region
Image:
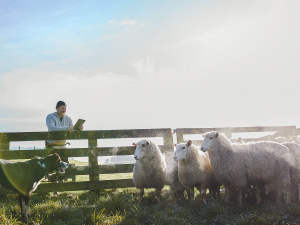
[61, 110]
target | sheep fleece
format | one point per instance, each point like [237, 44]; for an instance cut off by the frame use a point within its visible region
[150, 171]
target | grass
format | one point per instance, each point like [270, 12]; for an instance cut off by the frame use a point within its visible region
[122, 206]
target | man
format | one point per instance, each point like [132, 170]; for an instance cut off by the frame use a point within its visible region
[59, 121]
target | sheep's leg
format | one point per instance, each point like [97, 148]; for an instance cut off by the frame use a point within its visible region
[295, 193]
[288, 195]
[229, 193]
[272, 192]
[158, 195]
[279, 194]
[215, 192]
[258, 189]
[298, 197]
[264, 192]
[240, 196]
[218, 193]
[188, 193]
[191, 194]
[226, 194]
[203, 195]
[288, 192]
[286, 186]
[180, 195]
[141, 194]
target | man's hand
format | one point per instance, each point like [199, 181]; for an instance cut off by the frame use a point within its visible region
[81, 127]
[70, 129]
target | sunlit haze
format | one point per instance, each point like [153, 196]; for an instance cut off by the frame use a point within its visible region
[150, 64]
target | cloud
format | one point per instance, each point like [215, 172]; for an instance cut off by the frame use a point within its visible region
[144, 68]
[120, 29]
[123, 23]
[234, 65]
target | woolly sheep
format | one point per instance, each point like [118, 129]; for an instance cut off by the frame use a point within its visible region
[298, 139]
[240, 140]
[294, 150]
[149, 170]
[172, 176]
[254, 163]
[279, 139]
[195, 170]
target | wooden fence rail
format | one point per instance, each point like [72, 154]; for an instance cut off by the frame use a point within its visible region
[92, 151]
[278, 131]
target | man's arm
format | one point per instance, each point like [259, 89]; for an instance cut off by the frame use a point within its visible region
[71, 126]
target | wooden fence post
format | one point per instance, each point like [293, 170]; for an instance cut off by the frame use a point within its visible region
[4, 144]
[93, 158]
[179, 137]
[168, 142]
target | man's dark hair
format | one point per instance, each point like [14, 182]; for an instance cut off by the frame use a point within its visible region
[60, 103]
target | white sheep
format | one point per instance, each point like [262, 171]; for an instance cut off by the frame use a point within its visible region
[294, 170]
[254, 163]
[294, 150]
[195, 170]
[149, 170]
[240, 140]
[298, 139]
[279, 139]
[173, 177]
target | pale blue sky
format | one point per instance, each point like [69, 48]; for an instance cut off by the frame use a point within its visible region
[150, 64]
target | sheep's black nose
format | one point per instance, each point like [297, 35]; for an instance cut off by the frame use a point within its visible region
[202, 149]
[135, 157]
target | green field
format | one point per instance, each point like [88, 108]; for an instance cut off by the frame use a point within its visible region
[121, 206]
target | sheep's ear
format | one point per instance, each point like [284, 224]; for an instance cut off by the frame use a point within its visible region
[147, 142]
[217, 134]
[134, 144]
[203, 135]
[189, 143]
[175, 145]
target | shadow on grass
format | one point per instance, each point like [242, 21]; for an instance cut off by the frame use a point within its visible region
[122, 206]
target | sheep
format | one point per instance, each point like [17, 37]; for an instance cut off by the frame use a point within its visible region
[195, 170]
[295, 169]
[294, 150]
[172, 176]
[149, 170]
[240, 140]
[290, 139]
[279, 139]
[298, 139]
[254, 163]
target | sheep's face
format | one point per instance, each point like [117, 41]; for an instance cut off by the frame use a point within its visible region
[208, 140]
[180, 152]
[141, 149]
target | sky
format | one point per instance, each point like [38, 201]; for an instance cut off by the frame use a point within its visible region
[150, 64]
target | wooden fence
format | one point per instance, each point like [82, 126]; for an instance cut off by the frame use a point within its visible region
[284, 131]
[92, 152]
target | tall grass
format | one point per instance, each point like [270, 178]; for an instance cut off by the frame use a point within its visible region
[122, 206]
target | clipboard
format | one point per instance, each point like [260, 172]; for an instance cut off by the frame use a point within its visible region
[78, 123]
